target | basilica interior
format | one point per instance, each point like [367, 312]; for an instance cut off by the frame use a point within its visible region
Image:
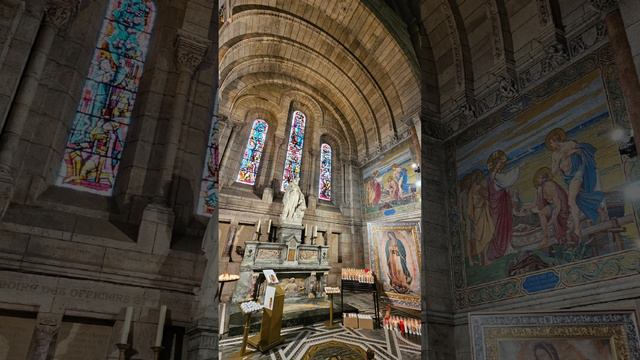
[314, 180]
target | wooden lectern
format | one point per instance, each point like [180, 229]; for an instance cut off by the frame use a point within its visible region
[269, 336]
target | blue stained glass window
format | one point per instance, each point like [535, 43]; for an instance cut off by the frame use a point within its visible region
[293, 160]
[324, 186]
[208, 199]
[96, 141]
[253, 153]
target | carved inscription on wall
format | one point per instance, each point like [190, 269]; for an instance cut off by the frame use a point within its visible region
[34, 288]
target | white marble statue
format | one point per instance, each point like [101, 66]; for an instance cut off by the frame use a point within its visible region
[293, 204]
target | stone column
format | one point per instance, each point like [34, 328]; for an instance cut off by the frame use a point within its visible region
[155, 230]
[624, 61]
[43, 341]
[58, 14]
[202, 337]
[190, 51]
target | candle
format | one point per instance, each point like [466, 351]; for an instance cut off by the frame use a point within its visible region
[306, 230]
[127, 325]
[160, 331]
[269, 227]
[315, 231]
[258, 226]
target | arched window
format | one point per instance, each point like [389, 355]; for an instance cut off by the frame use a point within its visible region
[208, 198]
[324, 186]
[94, 148]
[253, 153]
[294, 150]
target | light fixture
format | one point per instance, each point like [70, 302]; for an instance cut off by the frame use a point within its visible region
[415, 167]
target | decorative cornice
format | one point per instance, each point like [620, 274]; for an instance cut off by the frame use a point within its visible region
[190, 50]
[506, 88]
[604, 6]
[58, 13]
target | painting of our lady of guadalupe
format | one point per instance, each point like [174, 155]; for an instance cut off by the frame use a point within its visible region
[395, 260]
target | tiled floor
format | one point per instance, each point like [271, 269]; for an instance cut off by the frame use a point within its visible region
[385, 344]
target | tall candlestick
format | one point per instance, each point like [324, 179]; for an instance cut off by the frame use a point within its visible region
[269, 227]
[258, 226]
[160, 331]
[127, 325]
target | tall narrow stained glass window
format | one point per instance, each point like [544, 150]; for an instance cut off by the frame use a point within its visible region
[324, 186]
[253, 153]
[293, 160]
[208, 199]
[94, 148]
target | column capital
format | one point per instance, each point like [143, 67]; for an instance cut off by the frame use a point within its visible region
[58, 13]
[604, 6]
[190, 50]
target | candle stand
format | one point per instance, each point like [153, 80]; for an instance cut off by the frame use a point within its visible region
[156, 351]
[122, 350]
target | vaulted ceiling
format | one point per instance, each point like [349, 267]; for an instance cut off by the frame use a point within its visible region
[362, 72]
[375, 65]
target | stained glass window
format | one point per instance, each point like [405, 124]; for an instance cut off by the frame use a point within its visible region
[253, 153]
[97, 137]
[324, 186]
[208, 199]
[293, 160]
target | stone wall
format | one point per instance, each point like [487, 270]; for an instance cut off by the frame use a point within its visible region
[73, 261]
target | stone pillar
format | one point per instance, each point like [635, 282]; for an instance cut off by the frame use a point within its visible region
[58, 14]
[624, 61]
[190, 51]
[43, 341]
[155, 230]
[202, 337]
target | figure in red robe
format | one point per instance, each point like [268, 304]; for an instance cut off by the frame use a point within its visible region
[500, 204]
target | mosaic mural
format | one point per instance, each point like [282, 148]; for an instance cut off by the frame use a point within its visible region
[293, 160]
[208, 197]
[394, 256]
[549, 199]
[98, 133]
[253, 153]
[324, 186]
[555, 336]
[390, 184]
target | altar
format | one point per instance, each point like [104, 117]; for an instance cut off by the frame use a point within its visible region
[301, 268]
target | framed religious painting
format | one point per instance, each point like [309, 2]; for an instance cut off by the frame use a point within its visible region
[394, 256]
[611, 335]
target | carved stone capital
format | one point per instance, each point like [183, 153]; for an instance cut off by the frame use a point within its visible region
[604, 6]
[58, 13]
[190, 51]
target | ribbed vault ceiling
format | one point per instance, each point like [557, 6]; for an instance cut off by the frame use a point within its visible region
[337, 52]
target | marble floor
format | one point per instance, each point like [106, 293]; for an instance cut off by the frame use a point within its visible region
[385, 344]
[298, 340]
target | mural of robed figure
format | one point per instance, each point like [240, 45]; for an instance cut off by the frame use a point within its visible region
[399, 275]
[575, 163]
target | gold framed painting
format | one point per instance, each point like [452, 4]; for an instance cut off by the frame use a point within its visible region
[611, 335]
[395, 258]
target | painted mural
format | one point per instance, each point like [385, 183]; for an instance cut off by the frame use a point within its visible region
[547, 188]
[554, 336]
[390, 184]
[394, 255]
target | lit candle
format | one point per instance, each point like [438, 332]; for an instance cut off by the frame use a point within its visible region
[269, 227]
[258, 226]
[127, 325]
[160, 331]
